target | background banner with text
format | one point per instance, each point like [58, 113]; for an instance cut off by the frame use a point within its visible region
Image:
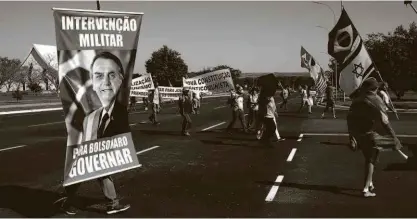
[172, 93]
[141, 85]
[96, 56]
[219, 81]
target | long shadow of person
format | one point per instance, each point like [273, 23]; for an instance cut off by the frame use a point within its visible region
[326, 188]
[30, 202]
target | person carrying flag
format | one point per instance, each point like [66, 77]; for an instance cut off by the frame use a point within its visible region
[366, 114]
[238, 110]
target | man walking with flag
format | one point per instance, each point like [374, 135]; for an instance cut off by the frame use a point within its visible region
[366, 113]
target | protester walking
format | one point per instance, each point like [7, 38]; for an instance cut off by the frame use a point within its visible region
[304, 97]
[269, 114]
[236, 102]
[253, 107]
[155, 99]
[366, 114]
[145, 103]
[196, 104]
[284, 94]
[330, 102]
[132, 106]
[185, 108]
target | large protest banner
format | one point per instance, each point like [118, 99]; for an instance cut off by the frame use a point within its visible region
[219, 81]
[172, 93]
[141, 85]
[96, 56]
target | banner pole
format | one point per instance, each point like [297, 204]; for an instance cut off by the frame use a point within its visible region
[98, 4]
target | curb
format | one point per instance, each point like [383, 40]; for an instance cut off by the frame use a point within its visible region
[60, 108]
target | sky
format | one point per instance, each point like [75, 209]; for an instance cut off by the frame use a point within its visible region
[250, 36]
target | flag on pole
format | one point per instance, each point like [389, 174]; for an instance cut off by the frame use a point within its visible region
[316, 71]
[347, 47]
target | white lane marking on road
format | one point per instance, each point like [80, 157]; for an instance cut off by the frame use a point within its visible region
[10, 148]
[43, 124]
[213, 126]
[30, 111]
[148, 149]
[274, 189]
[300, 137]
[291, 156]
[138, 112]
[346, 134]
[219, 107]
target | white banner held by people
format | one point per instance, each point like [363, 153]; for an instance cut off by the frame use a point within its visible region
[172, 93]
[219, 81]
[141, 85]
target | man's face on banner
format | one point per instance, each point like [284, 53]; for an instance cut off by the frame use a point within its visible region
[107, 80]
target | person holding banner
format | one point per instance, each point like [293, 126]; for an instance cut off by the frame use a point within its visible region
[366, 114]
[185, 108]
[111, 119]
[238, 110]
[155, 99]
[253, 106]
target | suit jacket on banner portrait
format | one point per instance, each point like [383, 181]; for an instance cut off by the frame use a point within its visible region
[118, 123]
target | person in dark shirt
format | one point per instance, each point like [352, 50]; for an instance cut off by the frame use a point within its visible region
[185, 108]
[366, 114]
[330, 102]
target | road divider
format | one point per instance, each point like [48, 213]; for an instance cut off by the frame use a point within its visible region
[291, 156]
[274, 189]
[213, 126]
[145, 150]
[11, 148]
[300, 138]
[45, 124]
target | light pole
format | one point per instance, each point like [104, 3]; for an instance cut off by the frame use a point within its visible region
[406, 3]
[334, 15]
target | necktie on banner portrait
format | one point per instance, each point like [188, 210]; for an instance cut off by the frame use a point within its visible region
[347, 47]
[219, 81]
[96, 56]
[141, 86]
[316, 71]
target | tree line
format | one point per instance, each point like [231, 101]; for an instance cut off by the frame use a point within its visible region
[394, 53]
[395, 56]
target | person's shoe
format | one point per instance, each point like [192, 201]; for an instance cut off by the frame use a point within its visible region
[281, 139]
[69, 210]
[186, 134]
[368, 194]
[117, 209]
[334, 117]
[156, 123]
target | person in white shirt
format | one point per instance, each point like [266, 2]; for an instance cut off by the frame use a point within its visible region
[383, 93]
[304, 97]
[269, 111]
[284, 94]
[253, 106]
[237, 109]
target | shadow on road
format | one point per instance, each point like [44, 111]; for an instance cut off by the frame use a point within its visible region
[410, 165]
[30, 202]
[160, 132]
[226, 143]
[326, 188]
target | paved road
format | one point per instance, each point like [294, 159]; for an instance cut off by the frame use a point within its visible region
[212, 173]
